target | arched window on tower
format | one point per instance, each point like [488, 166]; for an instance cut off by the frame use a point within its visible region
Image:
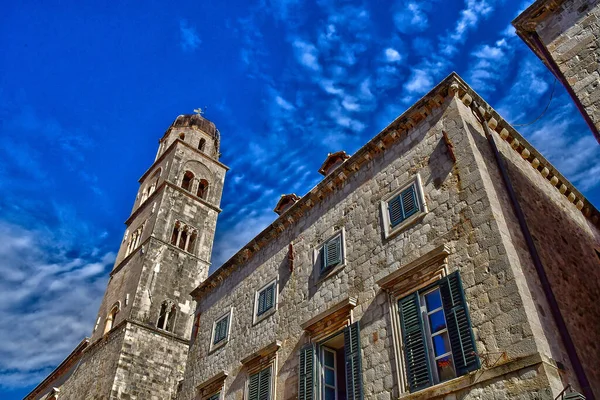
[201, 144]
[186, 182]
[202, 189]
[110, 318]
[182, 136]
[134, 240]
[144, 195]
[184, 236]
[166, 318]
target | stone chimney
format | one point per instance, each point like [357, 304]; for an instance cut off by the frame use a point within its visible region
[333, 161]
[285, 202]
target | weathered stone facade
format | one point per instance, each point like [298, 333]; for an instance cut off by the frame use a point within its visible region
[139, 346]
[469, 226]
[565, 34]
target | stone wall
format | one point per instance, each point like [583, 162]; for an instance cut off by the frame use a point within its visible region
[461, 214]
[572, 36]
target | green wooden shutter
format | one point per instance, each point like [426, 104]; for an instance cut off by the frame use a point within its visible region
[261, 303]
[215, 396]
[415, 348]
[395, 210]
[221, 330]
[459, 325]
[354, 389]
[333, 252]
[264, 386]
[306, 375]
[270, 297]
[410, 205]
[253, 386]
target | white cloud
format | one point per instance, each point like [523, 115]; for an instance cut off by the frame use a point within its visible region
[189, 37]
[419, 82]
[392, 55]
[470, 16]
[411, 17]
[307, 54]
[50, 298]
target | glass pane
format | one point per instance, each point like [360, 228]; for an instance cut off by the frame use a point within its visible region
[441, 344]
[329, 394]
[437, 321]
[329, 358]
[445, 368]
[329, 377]
[433, 300]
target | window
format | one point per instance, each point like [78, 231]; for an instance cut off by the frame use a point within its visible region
[436, 331]
[202, 188]
[259, 385]
[215, 396]
[266, 300]
[110, 318]
[186, 182]
[166, 318]
[184, 236]
[331, 253]
[221, 330]
[134, 240]
[403, 207]
[332, 368]
[201, 144]
[182, 136]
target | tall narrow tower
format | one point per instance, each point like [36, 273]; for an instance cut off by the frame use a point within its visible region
[139, 345]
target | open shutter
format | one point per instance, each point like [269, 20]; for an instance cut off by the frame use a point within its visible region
[395, 210]
[413, 338]
[459, 325]
[306, 381]
[354, 389]
[253, 386]
[409, 202]
[264, 386]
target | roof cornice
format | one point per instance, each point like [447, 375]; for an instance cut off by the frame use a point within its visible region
[451, 86]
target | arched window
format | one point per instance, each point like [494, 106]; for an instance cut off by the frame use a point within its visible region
[110, 318]
[201, 144]
[202, 189]
[184, 236]
[144, 195]
[166, 318]
[182, 136]
[187, 180]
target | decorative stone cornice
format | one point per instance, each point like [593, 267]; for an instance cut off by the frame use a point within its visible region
[399, 129]
[536, 13]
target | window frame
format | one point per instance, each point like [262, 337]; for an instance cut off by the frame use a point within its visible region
[390, 230]
[271, 394]
[322, 272]
[214, 346]
[424, 287]
[258, 318]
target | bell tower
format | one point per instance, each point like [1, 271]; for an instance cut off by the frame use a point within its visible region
[142, 333]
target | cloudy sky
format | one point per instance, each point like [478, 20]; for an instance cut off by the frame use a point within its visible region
[86, 91]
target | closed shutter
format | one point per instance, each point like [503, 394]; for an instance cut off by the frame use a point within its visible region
[264, 385]
[269, 297]
[354, 390]
[459, 325]
[418, 373]
[409, 201]
[221, 330]
[404, 205]
[332, 252]
[253, 386]
[215, 396]
[306, 367]
[261, 303]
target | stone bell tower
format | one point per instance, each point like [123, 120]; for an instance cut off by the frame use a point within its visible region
[139, 346]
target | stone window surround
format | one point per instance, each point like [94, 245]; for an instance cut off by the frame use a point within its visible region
[388, 231]
[258, 318]
[223, 342]
[322, 275]
[260, 360]
[211, 386]
[408, 278]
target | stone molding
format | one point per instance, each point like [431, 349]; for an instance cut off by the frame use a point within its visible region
[211, 385]
[331, 320]
[399, 129]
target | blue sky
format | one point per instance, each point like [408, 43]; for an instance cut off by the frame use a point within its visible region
[86, 91]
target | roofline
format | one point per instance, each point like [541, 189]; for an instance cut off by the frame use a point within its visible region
[77, 352]
[453, 85]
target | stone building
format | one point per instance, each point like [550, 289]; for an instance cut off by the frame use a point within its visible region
[445, 259]
[407, 273]
[565, 35]
[139, 344]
